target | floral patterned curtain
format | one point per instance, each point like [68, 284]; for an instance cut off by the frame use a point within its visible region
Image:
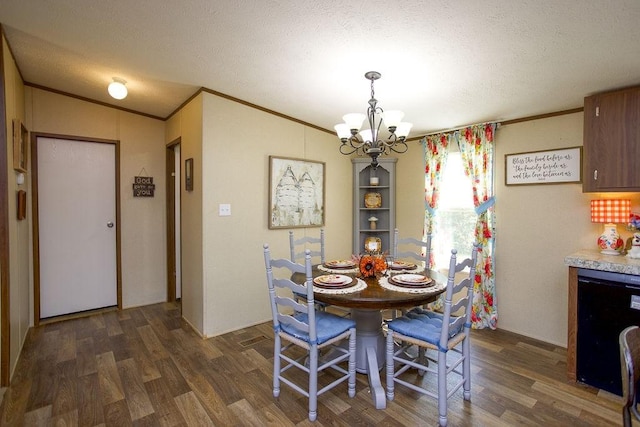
[436, 150]
[477, 152]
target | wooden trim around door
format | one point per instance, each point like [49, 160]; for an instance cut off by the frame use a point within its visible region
[5, 320]
[36, 228]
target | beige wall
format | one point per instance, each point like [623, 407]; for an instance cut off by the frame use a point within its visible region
[142, 151]
[410, 191]
[537, 226]
[235, 171]
[19, 231]
[187, 125]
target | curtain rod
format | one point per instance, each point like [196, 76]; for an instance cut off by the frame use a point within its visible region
[459, 128]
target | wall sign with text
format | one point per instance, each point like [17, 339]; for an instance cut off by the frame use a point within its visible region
[143, 186]
[560, 166]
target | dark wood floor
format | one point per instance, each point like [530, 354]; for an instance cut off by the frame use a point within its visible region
[145, 366]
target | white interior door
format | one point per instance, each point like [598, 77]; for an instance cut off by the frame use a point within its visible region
[77, 229]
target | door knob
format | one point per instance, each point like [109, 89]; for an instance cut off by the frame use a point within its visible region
[110, 224]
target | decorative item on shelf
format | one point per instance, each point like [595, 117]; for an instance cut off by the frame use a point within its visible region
[372, 222]
[634, 251]
[373, 200]
[371, 265]
[634, 222]
[373, 245]
[369, 141]
[374, 181]
[609, 212]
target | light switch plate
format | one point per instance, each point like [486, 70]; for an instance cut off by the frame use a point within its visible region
[224, 209]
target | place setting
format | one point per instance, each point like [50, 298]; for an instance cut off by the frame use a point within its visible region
[409, 282]
[398, 266]
[337, 284]
[339, 266]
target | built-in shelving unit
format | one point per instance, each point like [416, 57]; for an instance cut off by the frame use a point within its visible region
[385, 213]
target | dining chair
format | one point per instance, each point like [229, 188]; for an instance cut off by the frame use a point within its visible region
[414, 249]
[297, 255]
[300, 326]
[410, 247]
[297, 247]
[445, 333]
[630, 369]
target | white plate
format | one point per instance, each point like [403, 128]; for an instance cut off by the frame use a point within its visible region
[401, 265]
[412, 279]
[340, 263]
[332, 279]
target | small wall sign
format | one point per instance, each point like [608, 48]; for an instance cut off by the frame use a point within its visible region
[560, 166]
[143, 186]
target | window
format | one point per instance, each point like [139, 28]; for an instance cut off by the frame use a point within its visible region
[455, 219]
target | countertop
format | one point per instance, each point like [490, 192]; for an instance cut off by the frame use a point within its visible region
[594, 260]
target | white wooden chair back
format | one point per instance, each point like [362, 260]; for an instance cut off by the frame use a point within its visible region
[297, 247]
[412, 248]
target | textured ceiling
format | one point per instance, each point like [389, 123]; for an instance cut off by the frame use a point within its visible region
[445, 63]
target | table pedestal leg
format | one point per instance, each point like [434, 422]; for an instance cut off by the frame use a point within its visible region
[370, 354]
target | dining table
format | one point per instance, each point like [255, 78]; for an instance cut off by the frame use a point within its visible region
[367, 298]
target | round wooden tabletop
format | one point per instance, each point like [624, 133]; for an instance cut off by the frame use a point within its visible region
[373, 297]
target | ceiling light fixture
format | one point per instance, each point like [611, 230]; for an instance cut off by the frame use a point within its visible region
[368, 141]
[117, 88]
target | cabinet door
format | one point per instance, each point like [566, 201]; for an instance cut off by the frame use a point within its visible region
[612, 141]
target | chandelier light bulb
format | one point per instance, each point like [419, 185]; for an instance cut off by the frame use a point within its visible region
[117, 88]
[403, 129]
[354, 120]
[392, 118]
[343, 131]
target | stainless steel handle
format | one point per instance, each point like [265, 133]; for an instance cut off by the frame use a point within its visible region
[595, 175]
[110, 224]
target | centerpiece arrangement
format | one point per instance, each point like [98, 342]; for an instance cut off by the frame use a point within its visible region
[371, 265]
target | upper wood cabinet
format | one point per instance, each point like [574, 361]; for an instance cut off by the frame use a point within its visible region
[612, 141]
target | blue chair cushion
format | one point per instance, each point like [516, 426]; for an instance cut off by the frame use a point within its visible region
[423, 325]
[328, 326]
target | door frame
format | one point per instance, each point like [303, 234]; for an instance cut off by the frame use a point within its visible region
[5, 322]
[34, 209]
[171, 217]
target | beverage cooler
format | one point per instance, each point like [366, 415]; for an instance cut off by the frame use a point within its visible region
[607, 303]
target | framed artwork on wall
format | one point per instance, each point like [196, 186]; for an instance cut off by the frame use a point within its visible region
[20, 146]
[559, 166]
[188, 174]
[296, 193]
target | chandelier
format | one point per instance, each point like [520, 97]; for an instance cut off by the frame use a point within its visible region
[369, 141]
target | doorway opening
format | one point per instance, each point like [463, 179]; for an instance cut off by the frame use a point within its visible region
[174, 261]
